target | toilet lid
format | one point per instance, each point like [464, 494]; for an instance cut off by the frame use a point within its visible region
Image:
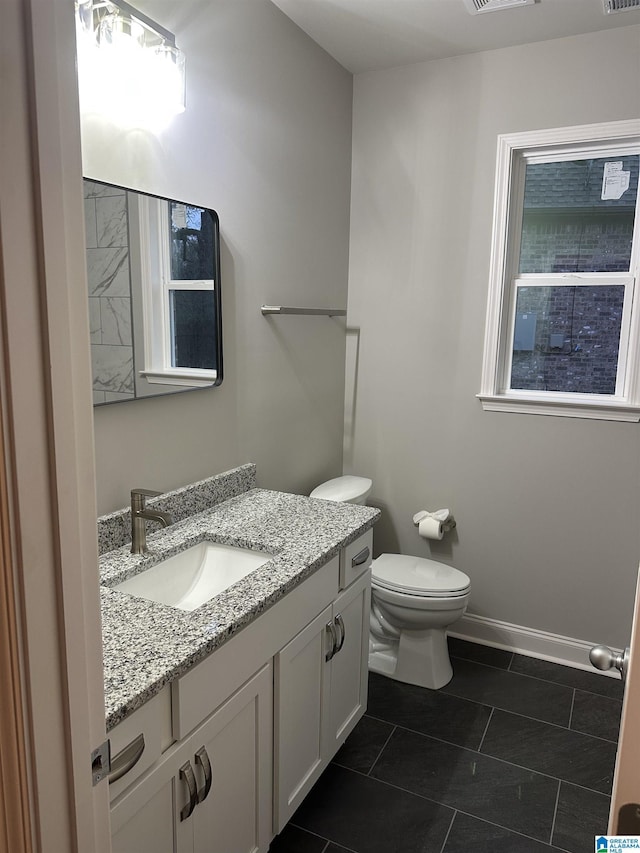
[344, 488]
[418, 576]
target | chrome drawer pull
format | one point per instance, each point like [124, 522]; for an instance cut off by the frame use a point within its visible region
[127, 758]
[203, 760]
[331, 630]
[340, 623]
[186, 773]
[361, 557]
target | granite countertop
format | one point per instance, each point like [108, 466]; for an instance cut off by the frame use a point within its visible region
[147, 645]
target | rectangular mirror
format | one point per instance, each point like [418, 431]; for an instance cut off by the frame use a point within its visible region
[153, 271]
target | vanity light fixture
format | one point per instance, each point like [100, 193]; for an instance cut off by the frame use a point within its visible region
[129, 67]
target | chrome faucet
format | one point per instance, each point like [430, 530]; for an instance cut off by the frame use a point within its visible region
[139, 515]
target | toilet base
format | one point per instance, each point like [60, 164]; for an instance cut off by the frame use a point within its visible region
[418, 657]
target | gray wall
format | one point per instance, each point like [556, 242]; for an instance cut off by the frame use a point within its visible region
[266, 141]
[548, 508]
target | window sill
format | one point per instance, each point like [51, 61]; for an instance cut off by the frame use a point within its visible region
[191, 378]
[561, 407]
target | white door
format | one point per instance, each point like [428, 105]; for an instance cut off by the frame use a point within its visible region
[48, 511]
[624, 818]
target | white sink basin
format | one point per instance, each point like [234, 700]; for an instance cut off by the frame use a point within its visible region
[195, 575]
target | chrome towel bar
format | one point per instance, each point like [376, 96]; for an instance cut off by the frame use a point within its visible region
[316, 312]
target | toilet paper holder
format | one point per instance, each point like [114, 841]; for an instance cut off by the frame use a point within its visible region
[442, 515]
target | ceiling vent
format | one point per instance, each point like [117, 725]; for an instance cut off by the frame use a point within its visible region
[611, 6]
[475, 7]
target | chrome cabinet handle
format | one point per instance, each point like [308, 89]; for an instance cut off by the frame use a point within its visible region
[331, 630]
[361, 557]
[340, 623]
[127, 758]
[186, 773]
[202, 759]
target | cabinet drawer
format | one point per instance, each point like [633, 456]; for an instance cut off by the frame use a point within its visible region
[356, 558]
[147, 733]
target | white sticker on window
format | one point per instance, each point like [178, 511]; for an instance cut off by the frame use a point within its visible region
[615, 181]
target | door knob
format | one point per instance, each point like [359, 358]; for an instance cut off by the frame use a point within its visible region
[602, 657]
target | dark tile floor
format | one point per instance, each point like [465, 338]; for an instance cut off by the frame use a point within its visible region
[514, 755]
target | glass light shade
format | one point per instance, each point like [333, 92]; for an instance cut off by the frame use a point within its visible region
[128, 72]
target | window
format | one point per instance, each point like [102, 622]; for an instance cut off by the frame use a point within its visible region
[563, 328]
[179, 262]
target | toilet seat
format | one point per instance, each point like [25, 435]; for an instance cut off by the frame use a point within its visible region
[418, 576]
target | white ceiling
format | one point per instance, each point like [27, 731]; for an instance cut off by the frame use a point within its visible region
[367, 34]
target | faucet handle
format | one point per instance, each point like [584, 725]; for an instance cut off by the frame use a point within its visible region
[147, 493]
[138, 496]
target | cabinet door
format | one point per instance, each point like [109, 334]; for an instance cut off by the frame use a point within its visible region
[142, 820]
[349, 665]
[234, 749]
[301, 715]
[150, 830]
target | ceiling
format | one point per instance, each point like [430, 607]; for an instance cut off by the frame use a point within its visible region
[364, 35]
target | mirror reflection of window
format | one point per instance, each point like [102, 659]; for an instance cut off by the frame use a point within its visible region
[191, 242]
[191, 291]
[153, 269]
[192, 316]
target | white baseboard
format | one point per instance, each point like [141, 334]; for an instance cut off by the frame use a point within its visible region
[526, 641]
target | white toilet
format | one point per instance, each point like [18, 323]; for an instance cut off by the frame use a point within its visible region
[413, 601]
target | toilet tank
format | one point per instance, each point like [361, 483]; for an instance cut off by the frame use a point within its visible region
[349, 489]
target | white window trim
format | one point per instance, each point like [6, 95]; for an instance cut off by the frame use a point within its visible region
[554, 145]
[182, 376]
[156, 286]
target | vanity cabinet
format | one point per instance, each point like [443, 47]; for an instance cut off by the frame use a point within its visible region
[211, 793]
[320, 694]
[246, 732]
